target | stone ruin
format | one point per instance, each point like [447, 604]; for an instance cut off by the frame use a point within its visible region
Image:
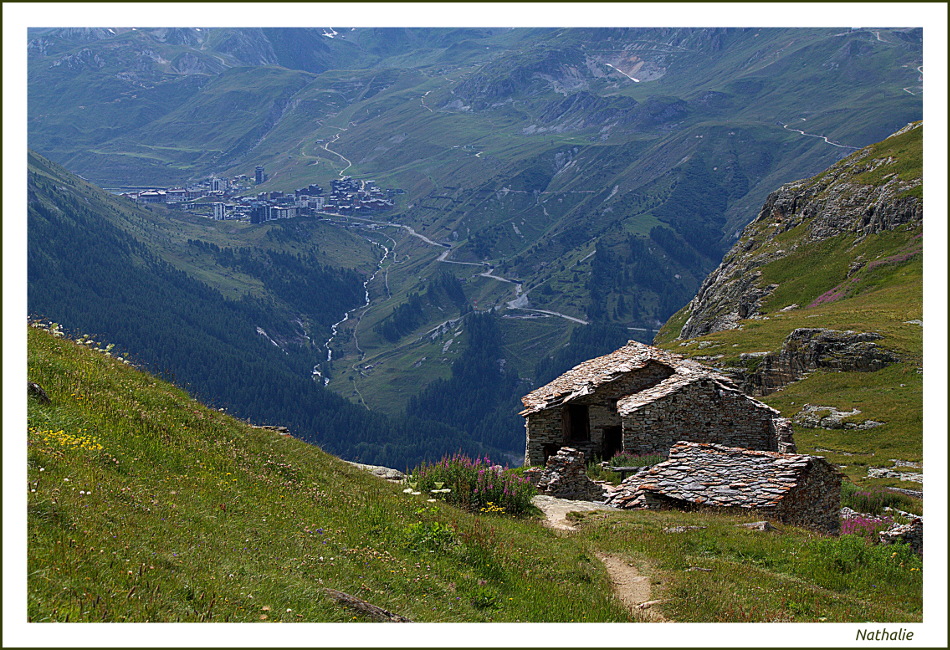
[911, 533]
[565, 477]
[795, 489]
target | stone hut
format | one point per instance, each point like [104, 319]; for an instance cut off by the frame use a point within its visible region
[642, 399]
[795, 489]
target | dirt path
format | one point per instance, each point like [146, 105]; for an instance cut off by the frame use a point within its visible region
[555, 510]
[631, 586]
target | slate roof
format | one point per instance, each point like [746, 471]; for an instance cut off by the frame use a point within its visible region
[715, 475]
[585, 377]
[675, 382]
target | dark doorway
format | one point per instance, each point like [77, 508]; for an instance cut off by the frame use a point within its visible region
[613, 442]
[576, 423]
[548, 451]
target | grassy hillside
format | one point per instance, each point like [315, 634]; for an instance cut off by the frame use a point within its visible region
[144, 505]
[849, 281]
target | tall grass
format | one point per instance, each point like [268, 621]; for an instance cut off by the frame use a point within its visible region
[144, 505]
[720, 572]
[873, 500]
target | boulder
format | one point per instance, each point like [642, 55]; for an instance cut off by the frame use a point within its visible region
[36, 391]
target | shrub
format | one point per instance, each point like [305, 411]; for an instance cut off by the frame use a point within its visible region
[477, 485]
[429, 536]
[865, 526]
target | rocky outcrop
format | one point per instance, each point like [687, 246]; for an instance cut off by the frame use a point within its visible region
[911, 534]
[886, 472]
[835, 202]
[813, 416]
[387, 473]
[808, 349]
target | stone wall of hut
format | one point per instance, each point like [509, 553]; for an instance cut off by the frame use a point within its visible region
[545, 431]
[816, 500]
[699, 412]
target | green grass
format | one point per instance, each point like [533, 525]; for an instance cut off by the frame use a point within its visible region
[726, 573]
[812, 270]
[186, 514]
[145, 505]
[905, 159]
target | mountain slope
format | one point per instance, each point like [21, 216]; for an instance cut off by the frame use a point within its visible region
[577, 175]
[841, 251]
[243, 333]
[145, 505]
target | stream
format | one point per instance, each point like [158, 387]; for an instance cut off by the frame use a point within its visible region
[334, 329]
[519, 302]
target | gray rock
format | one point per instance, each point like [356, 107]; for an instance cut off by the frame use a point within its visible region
[386, 473]
[808, 349]
[884, 472]
[912, 534]
[36, 391]
[825, 206]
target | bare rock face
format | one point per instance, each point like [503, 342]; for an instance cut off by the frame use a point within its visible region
[827, 205]
[807, 349]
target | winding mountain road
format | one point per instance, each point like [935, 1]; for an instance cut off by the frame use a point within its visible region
[326, 146]
[815, 135]
[518, 303]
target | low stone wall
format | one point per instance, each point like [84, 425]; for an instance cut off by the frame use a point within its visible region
[565, 477]
[912, 534]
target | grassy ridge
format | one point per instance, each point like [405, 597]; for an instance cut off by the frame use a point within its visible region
[186, 514]
[144, 505]
[850, 281]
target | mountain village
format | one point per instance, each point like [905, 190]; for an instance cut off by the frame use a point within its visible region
[222, 199]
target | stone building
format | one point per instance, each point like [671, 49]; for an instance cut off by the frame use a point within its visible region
[642, 399]
[792, 488]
